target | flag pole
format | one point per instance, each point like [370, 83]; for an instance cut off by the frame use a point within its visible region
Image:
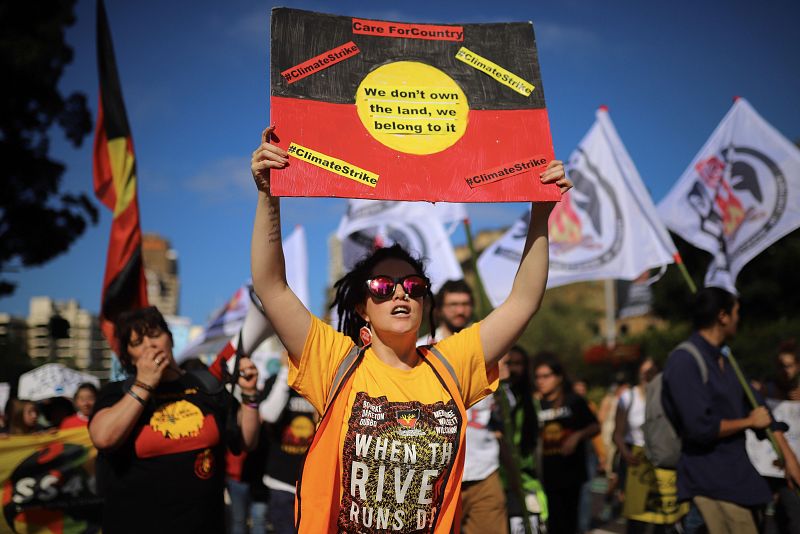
[483, 305]
[684, 272]
[483, 308]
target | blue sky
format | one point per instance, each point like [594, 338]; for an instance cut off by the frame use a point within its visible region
[194, 77]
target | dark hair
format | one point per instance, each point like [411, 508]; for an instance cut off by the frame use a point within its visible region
[142, 321]
[351, 289]
[708, 302]
[549, 359]
[788, 346]
[654, 369]
[783, 381]
[86, 385]
[453, 286]
[523, 391]
[14, 411]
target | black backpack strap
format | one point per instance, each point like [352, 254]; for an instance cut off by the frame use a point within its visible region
[208, 382]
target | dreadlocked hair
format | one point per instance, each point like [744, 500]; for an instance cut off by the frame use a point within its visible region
[351, 289]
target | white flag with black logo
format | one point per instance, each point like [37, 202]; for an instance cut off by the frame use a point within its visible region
[416, 226]
[606, 227]
[740, 194]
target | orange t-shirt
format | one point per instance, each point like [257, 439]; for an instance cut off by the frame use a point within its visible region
[399, 437]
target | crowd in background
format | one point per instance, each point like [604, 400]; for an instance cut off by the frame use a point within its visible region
[539, 444]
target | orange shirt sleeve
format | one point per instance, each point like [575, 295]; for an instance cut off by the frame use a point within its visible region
[464, 352]
[323, 351]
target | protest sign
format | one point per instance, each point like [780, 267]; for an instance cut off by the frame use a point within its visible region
[395, 111]
[52, 380]
[651, 493]
[48, 483]
[761, 453]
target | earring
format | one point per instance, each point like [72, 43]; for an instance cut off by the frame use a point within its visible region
[365, 334]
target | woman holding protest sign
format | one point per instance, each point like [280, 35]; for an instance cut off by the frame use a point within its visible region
[388, 452]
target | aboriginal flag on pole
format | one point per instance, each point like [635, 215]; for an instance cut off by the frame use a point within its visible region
[406, 111]
[124, 286]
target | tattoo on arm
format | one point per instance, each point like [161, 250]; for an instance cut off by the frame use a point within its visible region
[274, 215]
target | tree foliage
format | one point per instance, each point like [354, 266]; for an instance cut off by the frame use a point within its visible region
[768, 297]
[38, 221]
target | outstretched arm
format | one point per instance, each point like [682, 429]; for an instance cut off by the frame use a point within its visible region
[501, 328]
[285, 311]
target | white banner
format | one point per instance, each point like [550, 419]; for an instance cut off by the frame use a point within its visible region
[606, 227]
[761, 453]
[740, 194]
[52, 380]
[416, 226]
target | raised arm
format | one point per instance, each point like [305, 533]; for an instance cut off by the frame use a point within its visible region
[502, 328]
[285, 311]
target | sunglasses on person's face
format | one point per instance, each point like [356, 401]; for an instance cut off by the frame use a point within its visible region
[382, 286]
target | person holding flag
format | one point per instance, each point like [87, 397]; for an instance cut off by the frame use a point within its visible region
[389, 450]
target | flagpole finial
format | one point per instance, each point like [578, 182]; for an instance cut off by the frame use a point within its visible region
[736, 98]
[603, 107]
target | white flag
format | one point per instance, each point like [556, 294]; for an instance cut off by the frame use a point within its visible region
[606, 227]
[740, 194]
[417, 226]
[363, 214]
[295, 252]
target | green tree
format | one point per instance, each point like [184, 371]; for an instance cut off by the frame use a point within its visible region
[38, 221]
[768, 297]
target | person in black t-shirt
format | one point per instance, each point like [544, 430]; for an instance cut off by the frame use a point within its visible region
[566, 425]
[161, 435]
[291, 421]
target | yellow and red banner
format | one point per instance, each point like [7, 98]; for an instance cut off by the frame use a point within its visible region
[124, 285]
[48, 483]
[424, 107]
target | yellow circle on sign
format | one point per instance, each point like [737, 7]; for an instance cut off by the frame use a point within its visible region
[412, 107]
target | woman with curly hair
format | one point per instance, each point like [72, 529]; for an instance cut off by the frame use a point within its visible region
[389, 449]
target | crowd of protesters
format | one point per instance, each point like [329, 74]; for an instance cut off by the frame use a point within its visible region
[517, 444]
[537, 444]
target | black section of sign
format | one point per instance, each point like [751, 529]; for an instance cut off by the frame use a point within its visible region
[299, 35]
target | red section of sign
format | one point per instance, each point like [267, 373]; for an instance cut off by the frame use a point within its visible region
[320, 62]
[516, 168]
[493, 138]
[430, 32]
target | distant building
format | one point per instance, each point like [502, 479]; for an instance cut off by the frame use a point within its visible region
[161, 271]
[13, 346]
[63, 332]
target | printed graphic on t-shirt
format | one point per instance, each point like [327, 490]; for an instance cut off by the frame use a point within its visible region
[553, 432]
[204, 464]
[395, 460]
[175, 427]
[297, 435]
[179, 419]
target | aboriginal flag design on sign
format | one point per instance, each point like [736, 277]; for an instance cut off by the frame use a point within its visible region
[124, 285]
[390, 110]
